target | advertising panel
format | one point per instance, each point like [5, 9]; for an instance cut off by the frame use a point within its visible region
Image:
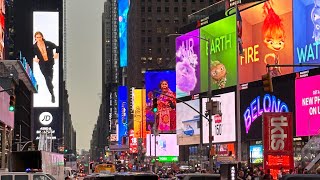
[188, 123]
[2, 28]
[308, 106]
[223, 70]
[133, 142]
[139, 113]
[223, 127]
[46, 58]
[162, 85]
[266, 39]
[256, 154]
[123, 9]
[188, 64]
[277, 142]
[122, 113]
[306, 33]
[166, 145]
[254, 101]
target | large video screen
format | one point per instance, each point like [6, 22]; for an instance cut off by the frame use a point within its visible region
[162, 85]
[46, 58]
[166, 145]
[122, 113]
[223, 127]
[254, 101]
[267, 39]
[188, 64]
[123, 8]
[2, 28]
[308, 106]
[306, 33]
[223, 70]
[256, 154]
[188, 123]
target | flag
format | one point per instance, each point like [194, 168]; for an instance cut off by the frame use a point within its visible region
[239, 29]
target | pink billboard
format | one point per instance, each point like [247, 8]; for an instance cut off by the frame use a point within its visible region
[308, 106]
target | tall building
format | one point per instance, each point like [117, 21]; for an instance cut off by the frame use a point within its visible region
[149, 23]
[69, 136]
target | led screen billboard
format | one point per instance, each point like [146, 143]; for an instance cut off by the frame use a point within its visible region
[122, 113]
[308, 106]
[223, 70]
[139, 113]
[254, 101]
[2, 28]
[46, 58]
[161, 85]
[223, 127]
[123, 9]
[256, 154]
[166, 145]
[306, 32]
[188, 123]
[188, 64]
[266, 39]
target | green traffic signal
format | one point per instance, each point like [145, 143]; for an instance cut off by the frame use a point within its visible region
[66, 150]
[11, 108]
[155, 110]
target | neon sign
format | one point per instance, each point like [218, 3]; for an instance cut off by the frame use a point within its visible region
[269, 103]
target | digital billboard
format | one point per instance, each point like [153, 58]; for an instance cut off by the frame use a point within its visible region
[2, 28]
[254, 102]
[188, 123]
[133, 142]
[122, 113]
[161, 85]
[166, 145]
[266, 39]
[308, 106]
[139, 113]
[123, 9]
[223, 127]
[188, 64]
[306, 33]
[46, 58]
[223, 70]
[256, 153]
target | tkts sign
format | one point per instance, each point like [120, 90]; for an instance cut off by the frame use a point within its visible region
[277, 141]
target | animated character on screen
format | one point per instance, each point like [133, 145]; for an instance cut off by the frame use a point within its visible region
[273, 37]
[149, 112]
[43, 54]
[166, 115]
[219, 74]
[315, 17]
[186, 78]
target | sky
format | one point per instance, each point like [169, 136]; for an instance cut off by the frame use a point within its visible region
[84, 72]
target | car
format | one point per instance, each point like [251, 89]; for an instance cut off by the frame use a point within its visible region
[202, 176]
[301, 177]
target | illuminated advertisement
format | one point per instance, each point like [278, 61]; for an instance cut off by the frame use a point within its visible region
[123, 9]
[6, 116]
[277, 142]
[2, 28]
[254, 102]
[46, 58]
[133, 142]
[188, 64]
[122, 113]
[223, 70]
[188, 123]
[161, 85]
[166, 145]
[306, 32]
[139, 113]
[256, 154]
[308, 106]
[223, 126]
[266, 39]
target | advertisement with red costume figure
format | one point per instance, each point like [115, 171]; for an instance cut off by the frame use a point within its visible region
[278, 142]
[133, 142]
[266, 39]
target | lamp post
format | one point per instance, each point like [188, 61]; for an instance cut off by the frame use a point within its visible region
[209, 99]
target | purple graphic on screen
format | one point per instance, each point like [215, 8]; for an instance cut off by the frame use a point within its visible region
[188, 64]
[308, 106]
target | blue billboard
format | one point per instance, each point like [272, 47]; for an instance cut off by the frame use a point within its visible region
[123, 8]
[306, 20]
[122, 114]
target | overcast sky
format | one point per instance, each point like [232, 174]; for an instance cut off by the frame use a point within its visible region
[84, 76]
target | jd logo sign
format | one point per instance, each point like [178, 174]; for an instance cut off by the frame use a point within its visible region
[45, 118]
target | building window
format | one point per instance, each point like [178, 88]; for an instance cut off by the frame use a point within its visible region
[176, 0]
[143, 31]
[166, 39]
[166, 9]
[159, 39]
[159, 50]
[176, 21]
[159, 30]
[143, 9]
[184, 1]
[159, 20]
[149, 30]
[159, 0]
[166, 30]
[149, 39]
[143, 20]
[143, 40]
[158, 9]
[184, 9]
[211, 1]
[201, 0]
[193, 10]
[167, 20]
[166, 0]
[184, 20]
[176, 9]
[149, 9]
[193, 1]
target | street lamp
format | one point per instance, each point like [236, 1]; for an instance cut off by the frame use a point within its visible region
[209, 102]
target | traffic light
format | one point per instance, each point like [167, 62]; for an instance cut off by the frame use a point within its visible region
[12, 104]
[66, 151]
[155, 105]
[267, 82]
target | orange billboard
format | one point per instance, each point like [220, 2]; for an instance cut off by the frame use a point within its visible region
[139, 113]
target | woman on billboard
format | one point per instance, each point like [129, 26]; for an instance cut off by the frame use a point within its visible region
[44, 55]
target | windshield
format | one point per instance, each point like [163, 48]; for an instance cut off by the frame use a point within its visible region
[51, 177]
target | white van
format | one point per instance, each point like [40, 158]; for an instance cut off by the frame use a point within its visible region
[25, 176]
